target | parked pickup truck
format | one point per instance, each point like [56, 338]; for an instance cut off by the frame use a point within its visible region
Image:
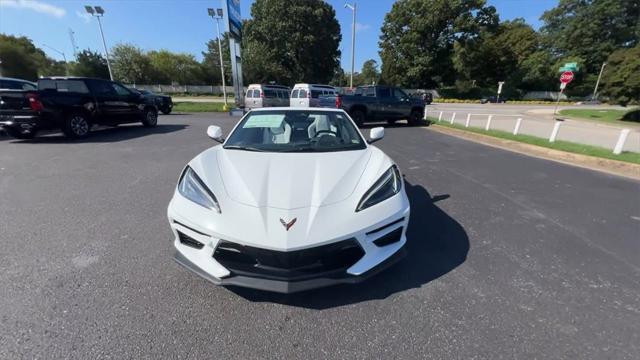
[375, 103]
[73, 105]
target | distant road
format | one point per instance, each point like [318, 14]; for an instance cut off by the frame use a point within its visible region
[538, 120]
[201, 99]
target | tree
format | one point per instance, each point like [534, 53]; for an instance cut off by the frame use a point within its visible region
[21, 59]
[591, 29]
[130, 64]
[211, 61]
[621, 78]
[370, 73]
[418, 37]
[91, 64]
[175, 68]
[291, 42]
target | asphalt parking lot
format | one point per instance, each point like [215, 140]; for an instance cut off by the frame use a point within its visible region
[508, 257]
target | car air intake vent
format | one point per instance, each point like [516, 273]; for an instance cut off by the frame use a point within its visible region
[329, 260]
[186, 240]
[389, 238]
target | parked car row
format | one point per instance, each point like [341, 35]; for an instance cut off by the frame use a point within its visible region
[73, 105]
[367, 103]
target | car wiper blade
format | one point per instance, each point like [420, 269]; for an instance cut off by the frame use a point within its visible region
[240, 147]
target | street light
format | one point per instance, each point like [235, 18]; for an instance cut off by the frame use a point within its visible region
[217, 15]
[66, 64]
[353, 39]
[98, 12]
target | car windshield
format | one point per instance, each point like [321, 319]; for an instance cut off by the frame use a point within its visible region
[295, 131]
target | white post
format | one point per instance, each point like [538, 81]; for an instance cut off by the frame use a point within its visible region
[488, 126]
[424, 117]
[440, 116]
[620, 144]
[453, 118]
[517, 127]
[468, 120]
[554, 132]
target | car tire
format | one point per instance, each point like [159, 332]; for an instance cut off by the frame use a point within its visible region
[150, 118]
[76, 126]
[166, 111]
[415, 118]
[358, 117]
[19, 135]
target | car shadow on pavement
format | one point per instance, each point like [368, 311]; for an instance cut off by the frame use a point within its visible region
[436, 244]
[107, 134]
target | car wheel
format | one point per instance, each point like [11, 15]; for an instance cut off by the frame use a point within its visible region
[76, 126]
[150, 118]
[166, 111]
[415, 118]
[358, 117]
[20, 135]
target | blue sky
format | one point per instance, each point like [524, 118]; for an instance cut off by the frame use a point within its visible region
[184, 26]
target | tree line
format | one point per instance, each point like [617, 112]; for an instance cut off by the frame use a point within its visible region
[460, 47]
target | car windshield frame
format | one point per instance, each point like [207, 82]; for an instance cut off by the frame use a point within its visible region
[346, 137]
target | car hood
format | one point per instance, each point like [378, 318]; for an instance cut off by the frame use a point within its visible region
[290, 180]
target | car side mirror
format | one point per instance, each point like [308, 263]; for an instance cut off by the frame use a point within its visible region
[215, 132]
[375, 134]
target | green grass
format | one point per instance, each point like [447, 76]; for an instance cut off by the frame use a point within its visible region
[571, 147]
[197, 107]
[604, 115]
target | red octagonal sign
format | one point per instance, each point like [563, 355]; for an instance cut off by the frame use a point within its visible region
[566, 77]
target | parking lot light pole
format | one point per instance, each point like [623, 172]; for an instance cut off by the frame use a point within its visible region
[98, 12]
[595, 90]
[66, 64]
[353, 40]
[213, 14]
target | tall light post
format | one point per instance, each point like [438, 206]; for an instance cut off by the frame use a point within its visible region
[595, 90]
[98, 12]
[353, 39]
[217, 15]
[66, 64]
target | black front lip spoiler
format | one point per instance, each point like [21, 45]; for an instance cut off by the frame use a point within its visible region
[287, 287]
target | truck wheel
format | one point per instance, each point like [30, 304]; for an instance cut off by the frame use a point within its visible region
[415, 118]
[76, 126]
[150, 118]
[166, 111]
[358, 117]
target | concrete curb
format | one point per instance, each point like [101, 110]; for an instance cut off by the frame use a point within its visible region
[614, 167]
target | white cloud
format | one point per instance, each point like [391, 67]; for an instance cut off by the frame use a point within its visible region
[362, 27]
[86, 17]
[37, 6]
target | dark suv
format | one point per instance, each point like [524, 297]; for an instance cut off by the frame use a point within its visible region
[73, 105]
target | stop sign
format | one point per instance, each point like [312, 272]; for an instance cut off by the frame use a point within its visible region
[566, 77]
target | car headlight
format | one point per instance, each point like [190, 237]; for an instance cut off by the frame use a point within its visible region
[388, 185]
[192, 188]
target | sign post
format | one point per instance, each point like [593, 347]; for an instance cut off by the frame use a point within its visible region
[232, 8]
[500, 83]
[565, 78]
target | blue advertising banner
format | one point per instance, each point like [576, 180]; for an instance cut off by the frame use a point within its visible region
[235, 20]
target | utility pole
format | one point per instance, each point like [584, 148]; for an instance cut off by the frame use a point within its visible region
[66, 64]
[219, 14]
[353, 40]
[595, 91]
[98, 13]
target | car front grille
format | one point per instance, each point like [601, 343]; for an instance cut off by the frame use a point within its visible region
[329, 260]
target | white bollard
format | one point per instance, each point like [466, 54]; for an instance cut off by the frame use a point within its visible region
[468, 120]
[554, 132]
[620, 144]
[424, 117]
[440, 116]
[488, 126]
[517, 127]
[453, 117]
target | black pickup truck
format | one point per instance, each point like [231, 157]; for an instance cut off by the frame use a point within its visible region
[73, 105]
[375, 103]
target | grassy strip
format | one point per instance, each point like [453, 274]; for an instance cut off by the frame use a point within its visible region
[198, 107]
[604, 115]
[571, 147]
[509, 102]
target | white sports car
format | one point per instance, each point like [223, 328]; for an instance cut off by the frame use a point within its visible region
[293, 199]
